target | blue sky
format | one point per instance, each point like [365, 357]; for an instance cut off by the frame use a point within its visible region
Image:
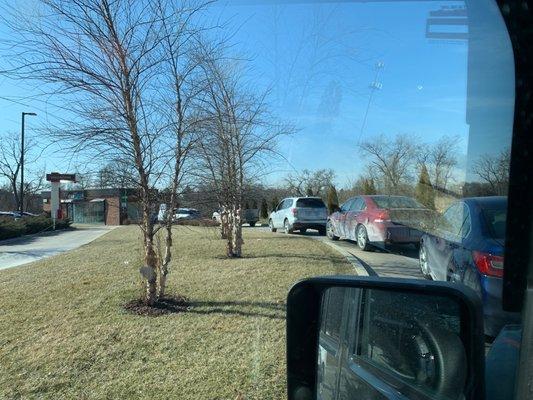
[319, 60]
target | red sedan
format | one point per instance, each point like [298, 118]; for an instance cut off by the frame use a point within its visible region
[379, 220]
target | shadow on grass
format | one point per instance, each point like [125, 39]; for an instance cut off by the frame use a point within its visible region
[179, 304]
[313, 257]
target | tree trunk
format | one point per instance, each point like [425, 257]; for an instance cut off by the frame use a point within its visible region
[237, 232]
[163, 272]
[149, 271]
[224, 223]
[234, 240]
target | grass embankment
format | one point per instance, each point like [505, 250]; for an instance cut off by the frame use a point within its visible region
[65, 334]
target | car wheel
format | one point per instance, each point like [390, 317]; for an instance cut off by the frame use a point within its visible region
[303, 230]
[330, 232]
[287, 227]
[423, 262]
[271, 225]
[252, 224]
[362, 238]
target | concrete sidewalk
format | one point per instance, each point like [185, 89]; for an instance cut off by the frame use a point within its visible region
[27, 249]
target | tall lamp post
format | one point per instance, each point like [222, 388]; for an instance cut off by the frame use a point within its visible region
[21, 207]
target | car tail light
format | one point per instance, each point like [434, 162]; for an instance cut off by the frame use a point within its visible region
[294, 211]
[383, 216]
[488, 264]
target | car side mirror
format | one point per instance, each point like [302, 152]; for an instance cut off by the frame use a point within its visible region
[361, 338]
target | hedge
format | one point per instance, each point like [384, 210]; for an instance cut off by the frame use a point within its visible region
[10, 228]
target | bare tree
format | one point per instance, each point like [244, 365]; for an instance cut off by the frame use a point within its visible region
[184, 80]
[391, 160]
[10, 163]
[10, 157]
[104, 58]
[441, 160]
[493, 169]
[237, 135]
[312, 183]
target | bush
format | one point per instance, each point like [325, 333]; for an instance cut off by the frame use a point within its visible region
[63, 223]
[37, 224]
[11, 229]
[198, 222]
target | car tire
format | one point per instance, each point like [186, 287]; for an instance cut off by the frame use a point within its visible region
[271, 225]
[423, 262]
[362, 238]
[303, 230]
[252, 224]
[287, 227]
[330, 233]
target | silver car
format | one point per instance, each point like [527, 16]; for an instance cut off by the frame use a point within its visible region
[299, 214]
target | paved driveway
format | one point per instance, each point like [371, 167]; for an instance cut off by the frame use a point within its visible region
[32, 248]
[396, 262]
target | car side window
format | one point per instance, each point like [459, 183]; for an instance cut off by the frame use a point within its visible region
[280, 205]
[406, 351]
[452, 219]
[287, 203]
[358, 205]
[333, 313]
[347, 205]
[467, 222]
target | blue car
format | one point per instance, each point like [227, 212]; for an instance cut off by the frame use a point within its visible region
[466, 246]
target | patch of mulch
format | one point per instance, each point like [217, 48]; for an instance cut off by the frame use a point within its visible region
[169, 305]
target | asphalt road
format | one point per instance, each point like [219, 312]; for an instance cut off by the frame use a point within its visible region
[396, 262]
[31, 248]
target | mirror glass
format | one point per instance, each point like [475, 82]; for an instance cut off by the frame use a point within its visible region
[378, 344]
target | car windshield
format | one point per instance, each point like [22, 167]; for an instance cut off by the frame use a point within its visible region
[273, 113]
[310, 203]
[396, 202]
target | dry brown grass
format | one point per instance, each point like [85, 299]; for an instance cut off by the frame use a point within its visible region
[64, 333]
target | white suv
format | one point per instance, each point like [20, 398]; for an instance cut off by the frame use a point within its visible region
[299, 214]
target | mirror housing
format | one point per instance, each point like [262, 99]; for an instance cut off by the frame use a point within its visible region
[304, 304]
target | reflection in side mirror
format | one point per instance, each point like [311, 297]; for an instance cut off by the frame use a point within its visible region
[372, 338]
[379, 338]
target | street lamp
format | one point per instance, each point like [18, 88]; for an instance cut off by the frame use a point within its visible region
[21, 207]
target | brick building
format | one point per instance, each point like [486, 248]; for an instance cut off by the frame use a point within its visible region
[97, 206]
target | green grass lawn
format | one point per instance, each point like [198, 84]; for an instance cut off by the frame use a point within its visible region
[65, 335]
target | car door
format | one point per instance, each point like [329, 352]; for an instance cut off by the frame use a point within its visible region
[445, 241]
[341, 229]
[351, 220]
[279, 217]
[462, 251]
[334, 340]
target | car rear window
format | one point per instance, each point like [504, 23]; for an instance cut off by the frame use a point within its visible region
[396, 202]
[496, 221]
[310, 203]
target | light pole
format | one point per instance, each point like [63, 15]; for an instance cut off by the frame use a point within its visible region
[21, 207]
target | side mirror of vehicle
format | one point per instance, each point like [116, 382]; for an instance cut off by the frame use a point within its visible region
[352, 337]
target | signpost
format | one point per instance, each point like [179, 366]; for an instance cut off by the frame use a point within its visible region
[55, 178]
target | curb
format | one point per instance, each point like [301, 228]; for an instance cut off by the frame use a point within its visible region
[356, 264]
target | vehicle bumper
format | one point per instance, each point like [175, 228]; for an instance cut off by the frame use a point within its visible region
[495, 318]
[308, 224]
[391, 233]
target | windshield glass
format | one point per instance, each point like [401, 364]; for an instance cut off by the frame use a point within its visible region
[396, 202]
[310, 203]
[112, 112]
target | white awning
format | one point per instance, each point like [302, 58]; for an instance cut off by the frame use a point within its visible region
[97, 200]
